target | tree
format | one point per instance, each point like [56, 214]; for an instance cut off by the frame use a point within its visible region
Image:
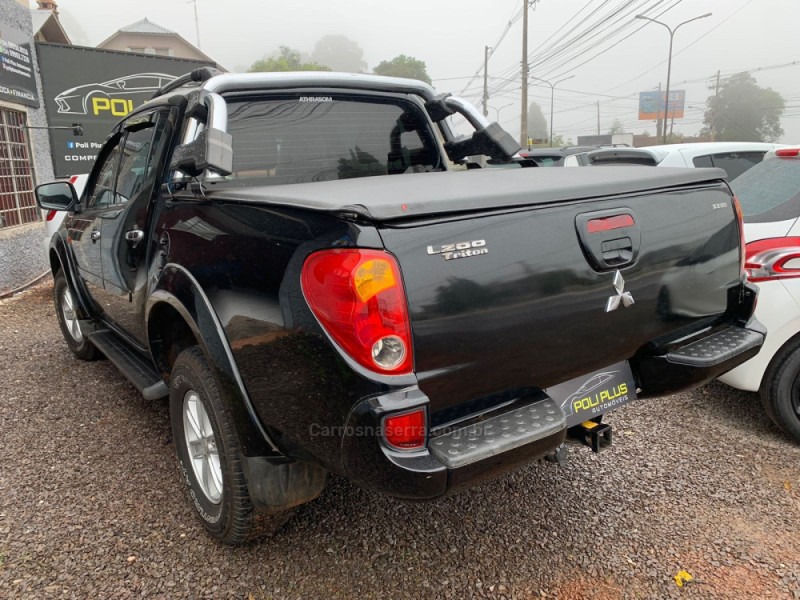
[744, 112]
[404, 66]
[287, 60]
[616, 127]
[537, 124]
[340, 54]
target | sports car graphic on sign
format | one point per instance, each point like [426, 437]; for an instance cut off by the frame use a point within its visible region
[591, 384]
[114, 96]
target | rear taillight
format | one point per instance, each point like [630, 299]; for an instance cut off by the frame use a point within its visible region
[405, 431]
[50, 215]
[359, 299]
[787, 152]
[774, 258]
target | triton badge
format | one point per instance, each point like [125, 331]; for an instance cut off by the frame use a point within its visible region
[460, 250]
[621, 296]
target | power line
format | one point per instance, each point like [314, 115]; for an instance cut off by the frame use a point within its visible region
[575, 45]
[514, 18]
[603, 51]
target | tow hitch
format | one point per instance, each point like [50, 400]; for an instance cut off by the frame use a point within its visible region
[590, 433]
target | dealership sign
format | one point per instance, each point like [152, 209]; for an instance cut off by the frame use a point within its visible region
[652, 105]
[17, 83]
[99, 89]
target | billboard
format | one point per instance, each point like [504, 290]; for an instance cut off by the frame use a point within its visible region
[99, 88]
[652, 105]
[17, 83]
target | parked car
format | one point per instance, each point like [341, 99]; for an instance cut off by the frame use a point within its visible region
[769, 194]
[293, 261]
[732, 157]
[612, 156]
[53, 218]
[553, 157]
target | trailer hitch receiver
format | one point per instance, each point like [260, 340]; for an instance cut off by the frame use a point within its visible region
[593, 434]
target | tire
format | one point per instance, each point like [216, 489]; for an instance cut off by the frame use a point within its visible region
[780, 390]
[202, 426]
[67, 319]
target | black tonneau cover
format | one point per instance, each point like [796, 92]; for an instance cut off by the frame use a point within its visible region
[395, 197]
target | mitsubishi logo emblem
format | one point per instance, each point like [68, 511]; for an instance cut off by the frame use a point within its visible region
[621, 296]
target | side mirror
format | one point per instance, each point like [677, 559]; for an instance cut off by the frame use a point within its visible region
[58, 195]
[211, 149]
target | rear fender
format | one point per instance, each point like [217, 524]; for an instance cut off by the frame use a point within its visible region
[179, 289]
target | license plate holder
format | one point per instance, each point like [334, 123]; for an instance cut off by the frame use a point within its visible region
[591, 395]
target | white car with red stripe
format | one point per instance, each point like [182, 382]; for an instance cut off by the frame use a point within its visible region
[53, 218]
[769, 194]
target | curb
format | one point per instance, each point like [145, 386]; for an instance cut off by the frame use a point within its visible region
[24, 287]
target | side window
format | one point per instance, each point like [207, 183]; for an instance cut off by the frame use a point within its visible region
[701, 162]
[736, 163]
[136, 165]
[101, 193]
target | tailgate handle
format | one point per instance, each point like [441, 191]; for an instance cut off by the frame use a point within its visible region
[610, 239]
[617, 251]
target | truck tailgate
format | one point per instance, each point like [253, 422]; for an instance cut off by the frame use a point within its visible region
[519, 299]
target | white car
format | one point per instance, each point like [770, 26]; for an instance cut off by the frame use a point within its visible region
[769, 195]
[733, 157]
[53, 218]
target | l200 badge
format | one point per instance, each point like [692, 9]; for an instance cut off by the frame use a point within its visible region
[460, 249]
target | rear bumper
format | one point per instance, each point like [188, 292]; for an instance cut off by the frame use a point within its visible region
[441, 467]
[698, 361]
[427, 474]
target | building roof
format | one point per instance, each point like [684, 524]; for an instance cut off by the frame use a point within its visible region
[47, 27]
[148, 27]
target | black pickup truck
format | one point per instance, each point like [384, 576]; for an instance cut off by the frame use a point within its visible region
[317, 273]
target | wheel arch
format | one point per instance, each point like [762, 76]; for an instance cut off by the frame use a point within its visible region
[179, 306]
[791, 345]
[59, 259]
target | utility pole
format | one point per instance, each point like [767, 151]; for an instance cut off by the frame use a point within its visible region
[486, 81]
[716, 111]
[598, 117]
[523, 136]
[196, 24]
[658, 110]
[672, 32]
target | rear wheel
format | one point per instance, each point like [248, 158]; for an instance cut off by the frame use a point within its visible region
[780, 390]
[66, 310]
[210, 455]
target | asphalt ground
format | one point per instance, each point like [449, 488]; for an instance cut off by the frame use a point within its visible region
[91, 504]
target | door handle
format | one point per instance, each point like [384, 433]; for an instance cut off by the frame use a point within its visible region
[134, 236]
[95, 236]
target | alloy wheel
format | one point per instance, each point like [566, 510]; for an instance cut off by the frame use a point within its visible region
[201, 444]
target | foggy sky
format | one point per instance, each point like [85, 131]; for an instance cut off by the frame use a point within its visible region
[450, 38]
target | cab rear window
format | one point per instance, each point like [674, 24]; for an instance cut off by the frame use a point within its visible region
[770, 191]
[303, 138]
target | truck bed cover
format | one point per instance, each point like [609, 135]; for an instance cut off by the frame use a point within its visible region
[391, 198]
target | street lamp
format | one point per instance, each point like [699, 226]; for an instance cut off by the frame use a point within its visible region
[669, 63]
[552, 92]
[497, 110]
